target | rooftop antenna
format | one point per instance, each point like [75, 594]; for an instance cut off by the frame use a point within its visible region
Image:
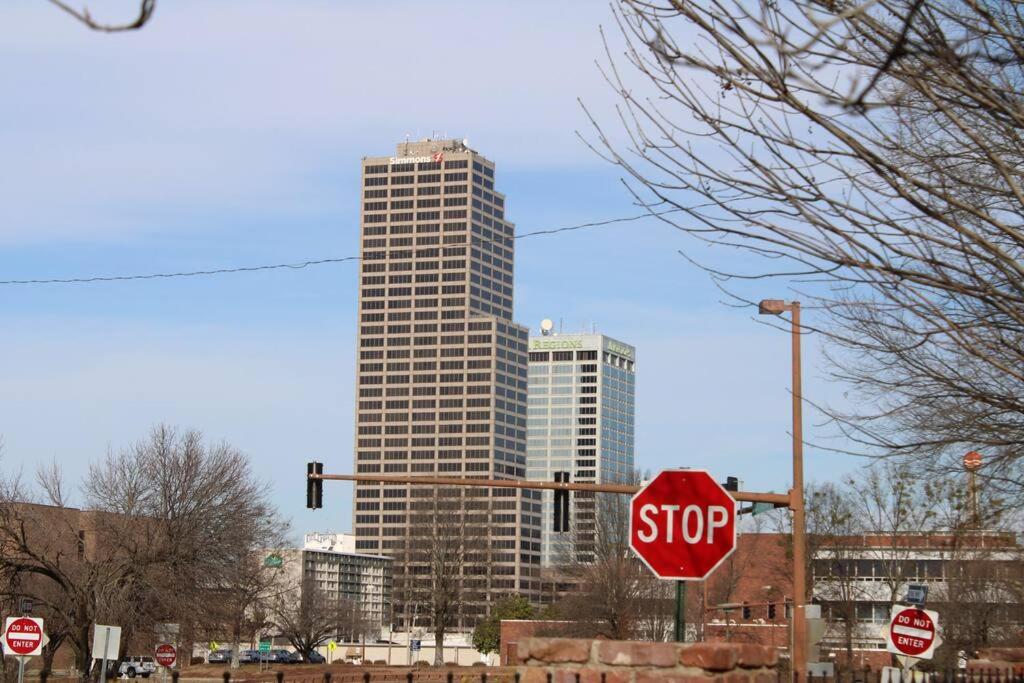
[560, 327]
[545, 326]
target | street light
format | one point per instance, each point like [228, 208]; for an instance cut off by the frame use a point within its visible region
[796, 494]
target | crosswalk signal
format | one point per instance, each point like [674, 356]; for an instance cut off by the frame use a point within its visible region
[771, 611]
[314, 487]
[561, 503]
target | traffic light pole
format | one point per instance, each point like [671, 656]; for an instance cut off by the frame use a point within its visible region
[778, 499]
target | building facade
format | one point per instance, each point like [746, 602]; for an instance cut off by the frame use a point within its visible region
[580, 423]
[975, 581]
[330, 562]
[441, 377]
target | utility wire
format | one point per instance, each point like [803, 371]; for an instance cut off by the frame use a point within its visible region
[306, 264]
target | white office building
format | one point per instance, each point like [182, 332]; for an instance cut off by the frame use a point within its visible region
[330, 562]
[580, 420]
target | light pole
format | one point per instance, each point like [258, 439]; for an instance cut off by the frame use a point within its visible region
[798, 653]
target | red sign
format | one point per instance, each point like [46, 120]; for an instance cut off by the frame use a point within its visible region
[23, 636]
[166, 655]
[972, 460]
[682, 524]
[911, 632]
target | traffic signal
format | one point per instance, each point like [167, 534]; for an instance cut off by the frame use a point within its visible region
[746, 612]
[314, 487]
[771, 611]
[561, 503]
[731, 484]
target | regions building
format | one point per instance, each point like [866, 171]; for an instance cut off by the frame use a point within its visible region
[441, 379]
[580, 427]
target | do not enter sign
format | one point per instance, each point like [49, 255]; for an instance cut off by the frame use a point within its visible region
[912, 632]
[682, 524]
[166, 655]
[23, 636]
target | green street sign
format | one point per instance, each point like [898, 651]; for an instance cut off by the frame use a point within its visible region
[264, 646]
[274, 560]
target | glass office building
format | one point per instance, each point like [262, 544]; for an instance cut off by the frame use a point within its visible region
[580, 422]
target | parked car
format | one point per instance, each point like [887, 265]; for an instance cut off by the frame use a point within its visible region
[251, 657]
[136, 666]
[220, 657]
[284, 657]
[316, 658]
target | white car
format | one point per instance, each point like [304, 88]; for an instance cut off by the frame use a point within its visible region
[137, 666]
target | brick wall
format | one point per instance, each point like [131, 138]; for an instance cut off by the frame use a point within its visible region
[612, 661]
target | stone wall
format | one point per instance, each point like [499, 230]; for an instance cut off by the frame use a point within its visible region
[612, 661]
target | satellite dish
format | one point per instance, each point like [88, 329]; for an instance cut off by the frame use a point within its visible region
[546, 326]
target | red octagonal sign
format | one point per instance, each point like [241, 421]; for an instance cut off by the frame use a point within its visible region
[682, 524]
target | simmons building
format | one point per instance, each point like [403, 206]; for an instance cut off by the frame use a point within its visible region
[441, 388]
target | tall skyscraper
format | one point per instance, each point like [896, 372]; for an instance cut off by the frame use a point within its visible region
[580, 423]
[441, 378]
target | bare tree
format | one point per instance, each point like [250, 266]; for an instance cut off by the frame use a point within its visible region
[617, 597]
[870, 151]
[832, 525]
[166, 524]
[433, 570]
[309, 616]
[146, 8]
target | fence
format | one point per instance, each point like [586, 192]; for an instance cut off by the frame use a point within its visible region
[891, 675]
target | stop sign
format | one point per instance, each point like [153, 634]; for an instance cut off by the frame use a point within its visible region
[912, 632]
[23, 636]
[682, 524]
[166, 655]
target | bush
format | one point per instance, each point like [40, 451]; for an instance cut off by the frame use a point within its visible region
[379, 662]
[197, 660]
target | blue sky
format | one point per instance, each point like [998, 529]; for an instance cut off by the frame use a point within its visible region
[229, 134]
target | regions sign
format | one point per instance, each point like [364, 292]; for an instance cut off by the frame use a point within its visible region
[555, 344]
[682, 524]
[912, 632]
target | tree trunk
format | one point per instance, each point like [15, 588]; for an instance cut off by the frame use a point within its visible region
[438, 644]
[236, 649]
[80, 644]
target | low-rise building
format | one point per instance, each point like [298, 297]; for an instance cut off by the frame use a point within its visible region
[975, 581]
[330, 563]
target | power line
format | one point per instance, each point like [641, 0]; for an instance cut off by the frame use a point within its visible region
[191, 273]
[305, 264]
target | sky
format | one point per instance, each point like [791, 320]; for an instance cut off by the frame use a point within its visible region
[228, 133]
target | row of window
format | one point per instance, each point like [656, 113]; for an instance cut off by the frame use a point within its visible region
[423, 228]
[402, 204]
[399, 167]
[420, 191]
[453, 177]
